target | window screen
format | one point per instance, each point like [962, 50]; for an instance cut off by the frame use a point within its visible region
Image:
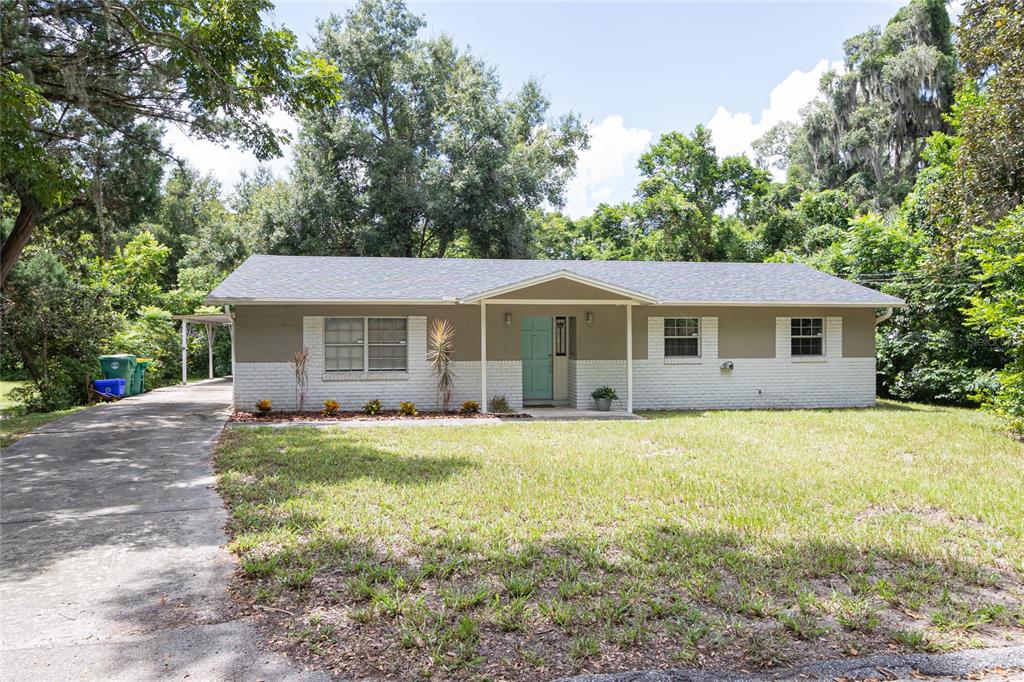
[343, 344]
[806, 336]
[380, 340]
[682, 337]
[387, 344]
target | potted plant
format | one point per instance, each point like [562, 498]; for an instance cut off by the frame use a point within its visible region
[603, 398]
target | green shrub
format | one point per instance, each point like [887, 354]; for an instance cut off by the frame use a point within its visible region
[373, 407]
[331, 407]
[606, 392]
[264, 406]
[470, 407]
[499, 404]
[152, 335]
[407, 409]
[63, 387]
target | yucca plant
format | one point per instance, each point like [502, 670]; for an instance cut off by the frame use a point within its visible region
[441, 347]
[300, 368]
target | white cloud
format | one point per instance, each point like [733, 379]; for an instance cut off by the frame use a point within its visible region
[605, 172]
[733, 132]
[227, 163]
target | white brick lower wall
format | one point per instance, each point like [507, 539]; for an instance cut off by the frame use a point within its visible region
[844, 382]
[699, 383]
[754, 383]
[591, 374]
[275, 381]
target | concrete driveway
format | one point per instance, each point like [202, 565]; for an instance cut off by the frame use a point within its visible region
[112, 559]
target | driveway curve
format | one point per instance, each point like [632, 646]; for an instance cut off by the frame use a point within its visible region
[112, 559]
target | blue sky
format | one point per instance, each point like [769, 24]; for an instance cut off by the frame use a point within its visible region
[635, 70]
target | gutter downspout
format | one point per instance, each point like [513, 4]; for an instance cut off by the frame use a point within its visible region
[884, 316]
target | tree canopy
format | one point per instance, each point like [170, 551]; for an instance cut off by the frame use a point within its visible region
[421, 155]
[906, 174]
[82, 76]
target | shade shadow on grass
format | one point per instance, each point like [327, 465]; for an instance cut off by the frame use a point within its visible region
[881, 406]
[659, 595]
[311, 459]
[365, 545]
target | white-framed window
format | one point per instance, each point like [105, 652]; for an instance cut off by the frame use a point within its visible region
[682, 337]
[807, 336]
[387, 344]
[358, 344]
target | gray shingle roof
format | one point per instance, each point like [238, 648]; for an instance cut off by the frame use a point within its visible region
[324, 279]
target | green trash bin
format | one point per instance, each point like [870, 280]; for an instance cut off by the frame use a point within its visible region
[120, 367]
[140, 375]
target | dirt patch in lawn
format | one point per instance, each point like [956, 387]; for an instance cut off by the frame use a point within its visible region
[555, 613]
[384, 415]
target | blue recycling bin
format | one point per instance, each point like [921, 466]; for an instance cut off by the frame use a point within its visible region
[112, 388]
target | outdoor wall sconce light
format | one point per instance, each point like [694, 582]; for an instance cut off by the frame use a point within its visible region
[508, 320]
[590, 318]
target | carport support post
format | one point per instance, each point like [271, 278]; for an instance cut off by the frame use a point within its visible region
[483, 357]
[629, 358]
[184, 351]
[209, 347]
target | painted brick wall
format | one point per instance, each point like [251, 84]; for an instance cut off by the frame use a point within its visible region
[700, 383]
[275, 380]
[658, 383]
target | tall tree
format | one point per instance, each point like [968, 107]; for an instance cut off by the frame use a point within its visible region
[867, 132]
[990, 109]
[686, 189]
[210, 66]
[422, 150]
[189, 206]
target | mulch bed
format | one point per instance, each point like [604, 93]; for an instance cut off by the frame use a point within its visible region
[278, 416]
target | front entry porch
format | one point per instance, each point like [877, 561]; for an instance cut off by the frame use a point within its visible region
[552, 306]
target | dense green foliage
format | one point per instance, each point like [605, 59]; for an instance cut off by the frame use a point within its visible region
[906, 174]
[421, 155]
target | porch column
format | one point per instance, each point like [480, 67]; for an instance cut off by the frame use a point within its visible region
[184, 351]
[483, 357]
[209, 347]
[231, 331]
[629, 358]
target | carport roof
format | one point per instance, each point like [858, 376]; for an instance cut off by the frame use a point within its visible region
[328, 279]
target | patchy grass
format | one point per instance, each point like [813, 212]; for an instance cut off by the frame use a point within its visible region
[14, 425]
[721, 539]
[6, 401]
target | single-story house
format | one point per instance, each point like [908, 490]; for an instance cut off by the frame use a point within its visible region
[663, 335]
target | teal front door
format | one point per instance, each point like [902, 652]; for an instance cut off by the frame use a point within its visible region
[536, 346]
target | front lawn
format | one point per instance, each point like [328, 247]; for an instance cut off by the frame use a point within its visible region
[724, 540]
[6, 399]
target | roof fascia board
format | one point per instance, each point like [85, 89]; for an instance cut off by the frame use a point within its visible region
[790, 304]
[327, 301]
[561, 301]
[551, 276]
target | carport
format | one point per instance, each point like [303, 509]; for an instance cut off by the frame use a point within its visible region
[210, 322]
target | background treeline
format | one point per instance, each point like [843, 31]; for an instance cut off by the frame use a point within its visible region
[906, 175]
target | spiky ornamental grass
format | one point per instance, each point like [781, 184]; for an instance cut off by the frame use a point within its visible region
[440, 349]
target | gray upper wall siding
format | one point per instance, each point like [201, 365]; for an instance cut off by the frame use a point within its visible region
[272, 333]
